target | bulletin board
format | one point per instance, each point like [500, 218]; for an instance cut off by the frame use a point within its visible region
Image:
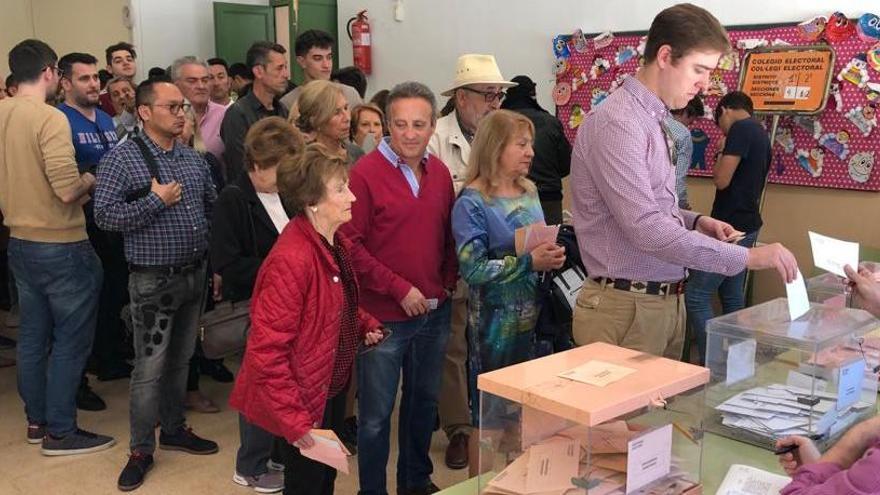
[834, 149]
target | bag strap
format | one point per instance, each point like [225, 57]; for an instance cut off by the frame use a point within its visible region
[152, 166]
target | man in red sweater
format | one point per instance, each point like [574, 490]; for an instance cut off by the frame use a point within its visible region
[404, 256]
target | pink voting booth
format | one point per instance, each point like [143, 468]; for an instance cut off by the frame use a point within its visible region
[598, 419]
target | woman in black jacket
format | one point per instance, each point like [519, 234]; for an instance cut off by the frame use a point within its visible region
[248, 217]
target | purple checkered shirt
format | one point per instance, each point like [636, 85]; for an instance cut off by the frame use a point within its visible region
[626, 213]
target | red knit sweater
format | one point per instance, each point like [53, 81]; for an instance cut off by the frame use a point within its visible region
[399, 240]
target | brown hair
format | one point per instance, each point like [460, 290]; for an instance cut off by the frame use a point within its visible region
[302, 180]
[685, 27]
[493, 134]
[269, 141]
[317, 104]
[356, 117]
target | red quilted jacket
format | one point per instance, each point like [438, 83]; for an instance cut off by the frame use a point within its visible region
[296, 309]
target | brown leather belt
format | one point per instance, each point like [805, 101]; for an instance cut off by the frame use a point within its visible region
[652, 288]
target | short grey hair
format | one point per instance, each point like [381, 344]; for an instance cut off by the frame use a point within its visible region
[178, 64]
[411, 89]
[121, 79]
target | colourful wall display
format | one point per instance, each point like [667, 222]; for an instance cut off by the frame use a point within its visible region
[835, 149]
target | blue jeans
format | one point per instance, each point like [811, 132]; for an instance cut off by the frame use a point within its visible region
[165, 312]
[418, 346]
[702, 286]
[58, 288]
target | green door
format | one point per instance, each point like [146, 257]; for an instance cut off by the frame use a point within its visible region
[237, 26]
[315, 14]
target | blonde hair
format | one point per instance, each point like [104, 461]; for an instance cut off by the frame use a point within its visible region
[316, 105]
[494, 133]
[198, 143]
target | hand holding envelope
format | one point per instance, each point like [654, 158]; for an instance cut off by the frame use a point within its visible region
[327, 449]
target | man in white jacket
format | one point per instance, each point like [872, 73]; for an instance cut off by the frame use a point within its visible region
[478, 89]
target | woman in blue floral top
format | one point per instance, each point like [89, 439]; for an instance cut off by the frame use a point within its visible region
[497, 200]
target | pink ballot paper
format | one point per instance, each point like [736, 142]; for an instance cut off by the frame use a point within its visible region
[531, 236]
[328, 449]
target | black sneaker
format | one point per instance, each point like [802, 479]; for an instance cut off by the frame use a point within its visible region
[88, 400]
[35, 433]
[78, 442]
[187, 441]
[6, 343]
[132, 475]
[428, 489]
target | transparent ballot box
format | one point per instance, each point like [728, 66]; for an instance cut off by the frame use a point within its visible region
[772, 377]
[833, 290]
[597, 419]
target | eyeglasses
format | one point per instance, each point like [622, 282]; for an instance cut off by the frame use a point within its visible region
[490, 96]
[56, 69]
[174, 108]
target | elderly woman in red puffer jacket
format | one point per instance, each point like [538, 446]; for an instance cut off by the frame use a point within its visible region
[306, 325]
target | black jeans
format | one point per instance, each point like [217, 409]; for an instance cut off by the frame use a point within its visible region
[303, 476]
[255, 449]
[110, 349]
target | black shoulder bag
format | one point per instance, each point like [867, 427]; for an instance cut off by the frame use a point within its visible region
[152, 166]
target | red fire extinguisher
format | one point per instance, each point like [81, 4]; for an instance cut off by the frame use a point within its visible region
[359, 33]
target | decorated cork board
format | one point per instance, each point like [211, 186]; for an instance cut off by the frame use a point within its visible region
[835, 149]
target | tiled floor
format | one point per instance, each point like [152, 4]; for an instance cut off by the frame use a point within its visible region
[24, 471]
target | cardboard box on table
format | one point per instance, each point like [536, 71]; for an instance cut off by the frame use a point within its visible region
[772, 377]
[544, 433]
[834, 290]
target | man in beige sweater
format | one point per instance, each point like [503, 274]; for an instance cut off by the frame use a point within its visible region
[56, 271]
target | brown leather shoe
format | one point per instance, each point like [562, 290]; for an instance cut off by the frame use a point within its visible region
[457, 451]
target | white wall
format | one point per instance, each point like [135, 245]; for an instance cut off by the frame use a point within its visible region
[519, 32]
[167, 29]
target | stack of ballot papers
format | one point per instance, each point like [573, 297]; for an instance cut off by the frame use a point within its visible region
[558, 466]
[774, 412]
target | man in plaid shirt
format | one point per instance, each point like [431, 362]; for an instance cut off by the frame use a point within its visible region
[159, 194]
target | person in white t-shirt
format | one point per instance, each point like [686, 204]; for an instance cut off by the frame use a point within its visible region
[248, 217]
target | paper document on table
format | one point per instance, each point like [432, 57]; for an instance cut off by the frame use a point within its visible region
[598, 373]
[531, 236]
[328, 449]
[513, 478]
[741, 361]
[552, 465]
[748, 480]
[798, 301]
[833, 254]
[649, 458]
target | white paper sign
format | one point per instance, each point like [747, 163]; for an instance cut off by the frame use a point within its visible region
[849, 383]
[798, 302]
[649, 458]
[741, 361]
[598, 373]
[833, 254]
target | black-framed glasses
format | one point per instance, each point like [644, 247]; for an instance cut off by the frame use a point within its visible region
[174, 108]
[490, 96]
[57, 70]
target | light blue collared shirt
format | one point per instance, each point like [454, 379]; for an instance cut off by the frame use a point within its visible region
[398, 163]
